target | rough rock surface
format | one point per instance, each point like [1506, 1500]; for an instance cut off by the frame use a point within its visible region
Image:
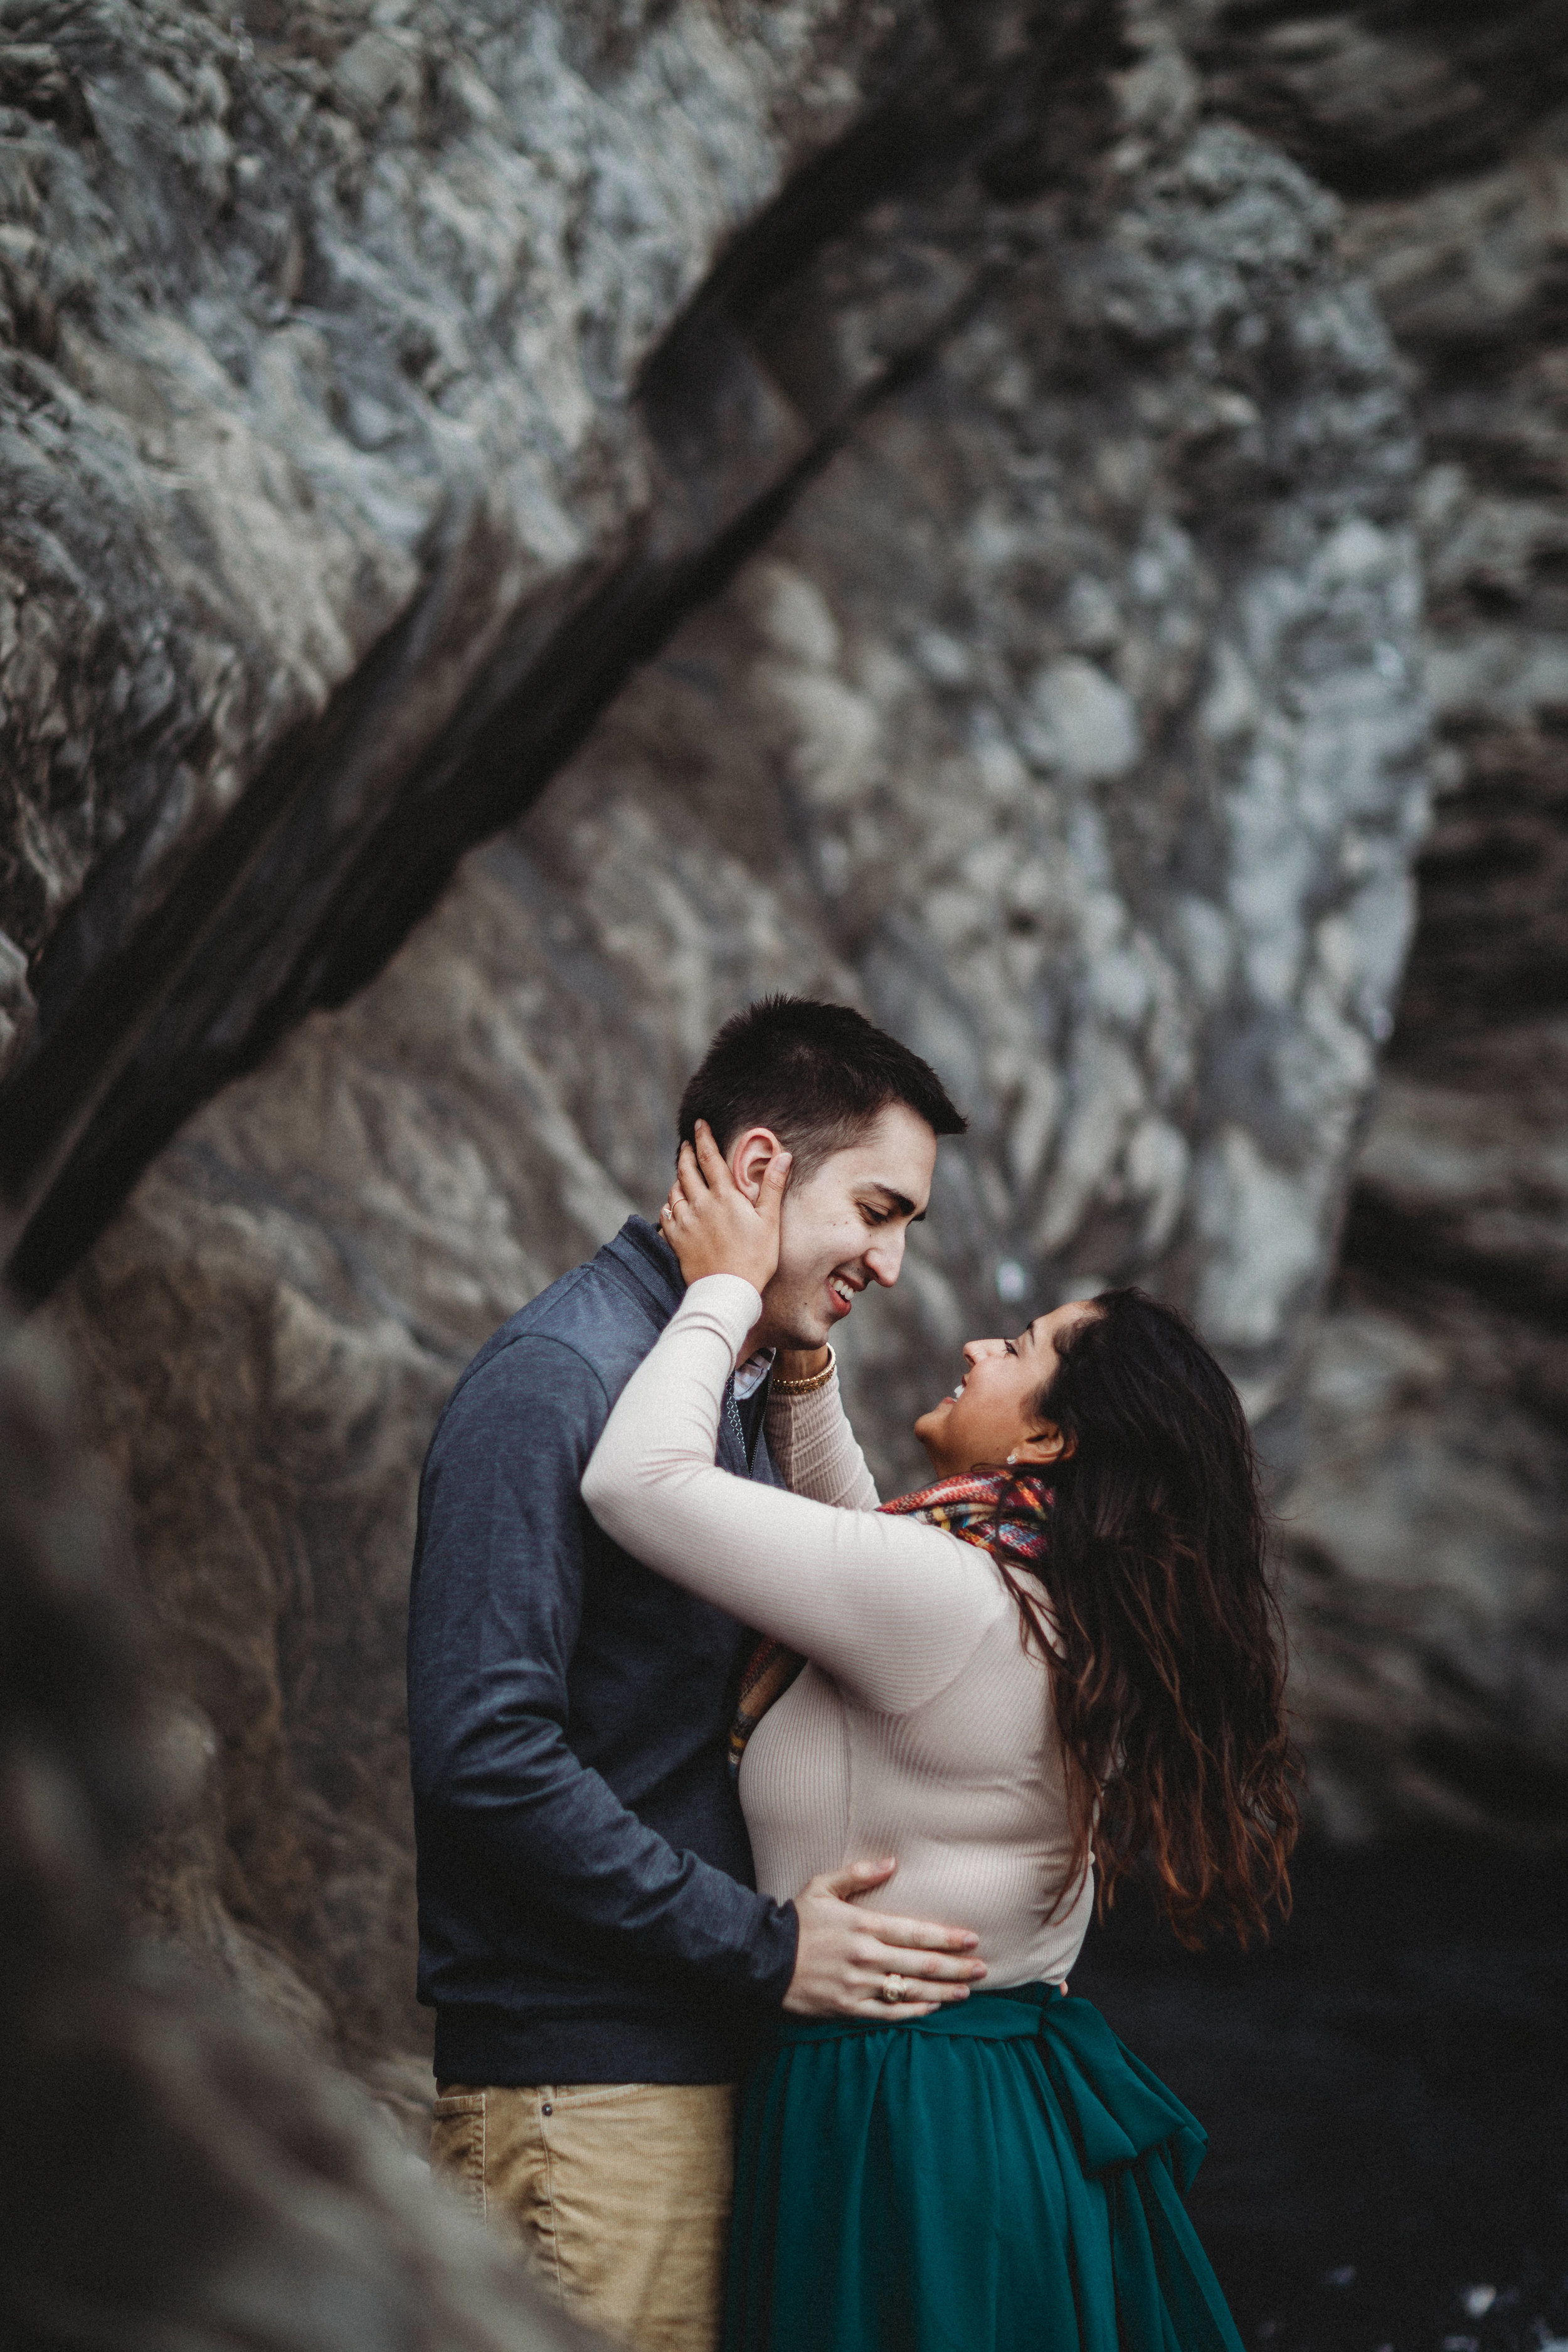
[1068, 721]
[382, 386]
[172, 2173]
[1431, 1602]
[339, 485]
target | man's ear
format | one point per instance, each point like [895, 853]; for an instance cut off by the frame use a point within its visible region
[749, 1155]
[1048, 1445]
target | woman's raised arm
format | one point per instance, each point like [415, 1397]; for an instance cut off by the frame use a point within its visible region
[891, 1608]
[814, 1450]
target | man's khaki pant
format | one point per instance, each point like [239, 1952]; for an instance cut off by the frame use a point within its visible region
[620, 2192]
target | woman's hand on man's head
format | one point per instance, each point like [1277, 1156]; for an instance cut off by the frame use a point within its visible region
[712, 1226]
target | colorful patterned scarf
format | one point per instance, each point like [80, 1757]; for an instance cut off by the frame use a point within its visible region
[964, 1506]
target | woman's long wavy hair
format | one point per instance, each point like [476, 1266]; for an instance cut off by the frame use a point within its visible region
[1168, 1665]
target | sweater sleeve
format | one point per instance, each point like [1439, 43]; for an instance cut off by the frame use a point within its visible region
[815, 1451]
[891, 1607]
[496, 1605]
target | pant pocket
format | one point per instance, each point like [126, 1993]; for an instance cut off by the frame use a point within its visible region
[458, 2145]
[567, 2098]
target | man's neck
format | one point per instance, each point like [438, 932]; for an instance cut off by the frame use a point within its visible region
[791, 1361]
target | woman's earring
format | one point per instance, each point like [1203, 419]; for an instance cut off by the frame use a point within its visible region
[1013, 1456]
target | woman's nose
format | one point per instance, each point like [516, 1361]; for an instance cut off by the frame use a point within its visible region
[973, 1349]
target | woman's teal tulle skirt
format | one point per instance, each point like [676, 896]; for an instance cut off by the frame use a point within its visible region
[1001, 2177]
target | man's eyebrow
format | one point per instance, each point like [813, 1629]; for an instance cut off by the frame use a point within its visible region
[899, 1203]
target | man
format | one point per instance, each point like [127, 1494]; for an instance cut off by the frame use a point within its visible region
[591, 1937]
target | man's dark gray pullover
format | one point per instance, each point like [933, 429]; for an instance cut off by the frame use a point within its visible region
[587, 1911]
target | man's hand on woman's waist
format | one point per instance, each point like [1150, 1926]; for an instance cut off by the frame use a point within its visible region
[846, 1955]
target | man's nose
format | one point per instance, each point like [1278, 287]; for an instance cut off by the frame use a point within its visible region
[883, 1259]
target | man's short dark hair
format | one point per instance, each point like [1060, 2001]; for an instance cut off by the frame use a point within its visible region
[817, 1075]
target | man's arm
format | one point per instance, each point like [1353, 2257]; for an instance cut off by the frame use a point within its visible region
[496, 1609]
[495, 1613]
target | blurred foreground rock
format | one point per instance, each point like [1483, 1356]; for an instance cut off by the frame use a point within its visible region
[173, 2174]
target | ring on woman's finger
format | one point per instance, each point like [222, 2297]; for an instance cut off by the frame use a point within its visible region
[894, 1989]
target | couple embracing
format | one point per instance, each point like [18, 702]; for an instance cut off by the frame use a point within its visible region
[684, 1694]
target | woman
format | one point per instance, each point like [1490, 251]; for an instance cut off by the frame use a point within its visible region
[1058, 1660]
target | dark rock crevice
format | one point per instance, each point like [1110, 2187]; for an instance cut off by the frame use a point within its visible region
[1392, 96]
[357, 835]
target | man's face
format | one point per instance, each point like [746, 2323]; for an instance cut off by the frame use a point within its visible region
[845, 1226]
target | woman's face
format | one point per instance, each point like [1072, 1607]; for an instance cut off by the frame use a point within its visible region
[989, 1415]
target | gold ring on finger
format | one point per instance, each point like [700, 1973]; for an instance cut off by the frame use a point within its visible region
[894, 1989]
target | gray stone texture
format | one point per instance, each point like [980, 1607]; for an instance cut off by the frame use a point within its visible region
[1427, 1533]
[1070, 722]
[338, 488]
[916, 506]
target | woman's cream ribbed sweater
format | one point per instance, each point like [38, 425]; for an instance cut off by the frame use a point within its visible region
[922, 1726]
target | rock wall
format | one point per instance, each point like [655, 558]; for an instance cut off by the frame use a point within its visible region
[341, 486]
[1070, 719]
[918, 506]
[1427, 1533]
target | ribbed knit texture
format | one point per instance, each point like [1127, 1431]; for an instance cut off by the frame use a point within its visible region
[923, 1727]
[814, 1451]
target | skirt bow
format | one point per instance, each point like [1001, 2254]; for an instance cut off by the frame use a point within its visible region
[1003, 2176]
